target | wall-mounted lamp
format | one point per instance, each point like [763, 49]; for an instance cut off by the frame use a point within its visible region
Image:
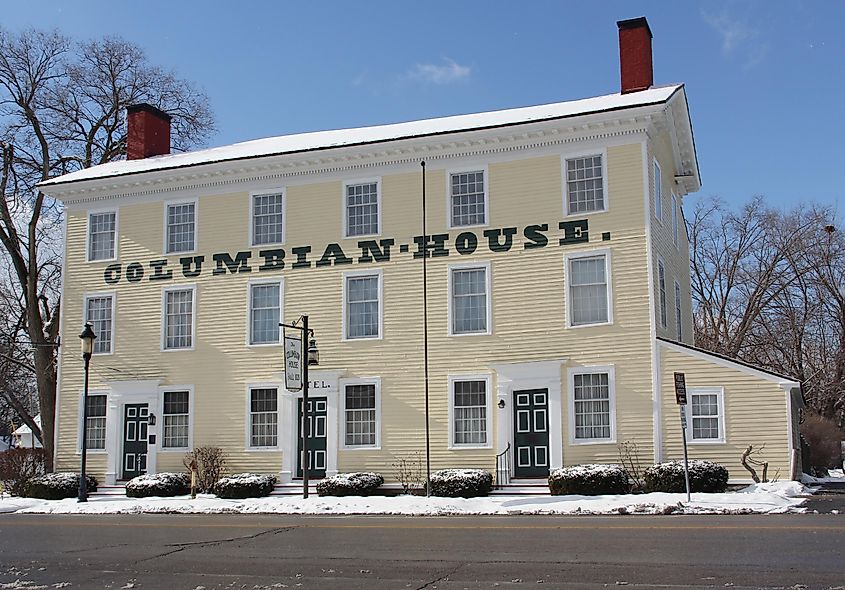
[502, 404]
[152, 419]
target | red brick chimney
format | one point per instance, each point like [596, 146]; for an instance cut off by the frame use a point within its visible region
[148, 132]
[635, 55]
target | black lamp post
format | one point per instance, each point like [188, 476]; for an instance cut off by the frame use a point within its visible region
[87, 337]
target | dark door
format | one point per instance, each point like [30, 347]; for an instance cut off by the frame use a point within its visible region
[317, 409]
[531, 433]
[135, 424]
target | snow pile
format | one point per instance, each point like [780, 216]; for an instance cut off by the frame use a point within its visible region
[55, 486]
[833, 476]
[704, 476]
[591, 480]
[350, 484]
[461, 483]
[245, 485]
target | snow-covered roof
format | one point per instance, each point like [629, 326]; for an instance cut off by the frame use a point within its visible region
[24, 429]
[320, 140]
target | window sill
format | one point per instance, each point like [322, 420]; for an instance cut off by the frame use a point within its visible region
[113, 259]
[267, 245]
[463, 227]
[362, 338]
[187, 348]
[454, 447]
[275, 449]
[579, 326]
[361, 448]
[462, 334]
[592, 441]
[582, 214]
[706, 442]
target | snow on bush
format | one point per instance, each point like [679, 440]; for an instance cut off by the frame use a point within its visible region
[704, 476]
[350, 484]
[244, 485]
[159, 484]
[589, 480]
[57, 486]
[461, 483]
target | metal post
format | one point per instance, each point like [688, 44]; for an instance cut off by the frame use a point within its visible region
[83, 484]
[305, 406]
[686, 460]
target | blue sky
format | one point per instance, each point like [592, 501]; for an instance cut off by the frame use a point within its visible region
[765, 79]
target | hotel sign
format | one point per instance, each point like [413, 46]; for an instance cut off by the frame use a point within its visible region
[293, 362]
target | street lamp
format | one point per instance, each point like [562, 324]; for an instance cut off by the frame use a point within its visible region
[313, 353]
[87, 337]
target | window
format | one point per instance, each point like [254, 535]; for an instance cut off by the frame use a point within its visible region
[178, 318]
[469, 413]
[268, 219]
[584, 185]
[96, 427]
[469, 303]
[363, 306]
[360, 415]
[661, 280]
[675, 219]
[362, 215]
[705, 413]
[589, 295]
[678, 315]
[263, 417]
[265, 312]
[467, 198]
[592, 406]
[175, 421]
[181, 227]
[658, 197]
[98, 313]
[101, 235]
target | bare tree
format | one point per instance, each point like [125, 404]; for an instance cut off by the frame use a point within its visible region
[62, 108]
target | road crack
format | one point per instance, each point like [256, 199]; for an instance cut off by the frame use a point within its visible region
[441, 578]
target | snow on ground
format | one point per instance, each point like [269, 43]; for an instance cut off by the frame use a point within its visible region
[834, 476]
[761, 498]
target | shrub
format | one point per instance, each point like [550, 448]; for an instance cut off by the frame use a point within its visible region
[350, 484]
[159, 484]
[18, 467]
[244, 485]
[461, 483]
[704, 476]
[57, 486]
[823, 439]
[589, 480]
[211, 466]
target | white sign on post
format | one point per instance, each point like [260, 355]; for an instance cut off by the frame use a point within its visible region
[293, 362]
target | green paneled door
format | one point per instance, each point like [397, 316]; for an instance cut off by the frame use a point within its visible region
[531, 433]
[317, 420]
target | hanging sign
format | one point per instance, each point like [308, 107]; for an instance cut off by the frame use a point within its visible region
[680, 389]
[293, 362]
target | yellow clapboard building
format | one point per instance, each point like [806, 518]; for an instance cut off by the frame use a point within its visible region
[556, 305]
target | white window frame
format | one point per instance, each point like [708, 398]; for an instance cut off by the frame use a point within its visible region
[608, 266]
[611, 391]
[565, 186]
[280, 389]
[658, 193]
[679, 316]
[489, 295]
[251, 215]
[483, 168]
[160, 418]
[675, 220]
[360, 381]
[88, 234]
[163, 338]
[256, 282]
[80, 424]
[720, 396]
[357, 274]
[167, 205]
[662, 306]
[487, 378]
[353, 182]
[95, 295]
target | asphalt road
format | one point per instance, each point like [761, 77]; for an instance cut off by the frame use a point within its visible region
[258, 552]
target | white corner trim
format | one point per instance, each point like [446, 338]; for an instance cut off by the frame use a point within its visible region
[656, 361]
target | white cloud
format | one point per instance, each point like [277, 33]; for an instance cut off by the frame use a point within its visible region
[449, 71]
[738, 37]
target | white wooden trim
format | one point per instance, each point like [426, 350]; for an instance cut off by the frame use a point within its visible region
[488, 398]
[92, 295]
[159, 427]
[570, 394]
[98, 211]
[488, 280]
[723, 422]
[183, 201]
[280, 428]
[345, 218]
[163, 331]
[675, 222]
[608, 273]
[370, 272]
[342, 412]
[658, 191]
[264, 281]
[583, 153]
[262, 193]
[656, 361]
[483, 168]
[663, 306]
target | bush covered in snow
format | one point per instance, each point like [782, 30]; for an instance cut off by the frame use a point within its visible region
[461, 483]
[244, 485]
[704, 476]
[589, 480]
[159, 484]
[57, 486]
[350, 484]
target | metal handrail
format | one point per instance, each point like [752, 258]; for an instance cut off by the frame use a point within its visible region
[503, 467]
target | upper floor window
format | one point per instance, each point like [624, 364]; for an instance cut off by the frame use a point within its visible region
[467, 198]
[661, 283]
[589, 293]
[678, 315]
[470, 412]
[360, 420]
[98, 313]
[705, 413]
[362, 209]
[470, 304]
[658, 196]
[176, 420]
[265, 312]
[102, 230]
[268, 213]
[592, 405]
[263, 417]
[181, 232]
[96, 426]
[584, 185]
[674, 219]
[178, 318]
[362, 317]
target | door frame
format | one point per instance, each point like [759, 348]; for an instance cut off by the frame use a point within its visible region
[529, 375]
[142, 391]
[121, 459]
